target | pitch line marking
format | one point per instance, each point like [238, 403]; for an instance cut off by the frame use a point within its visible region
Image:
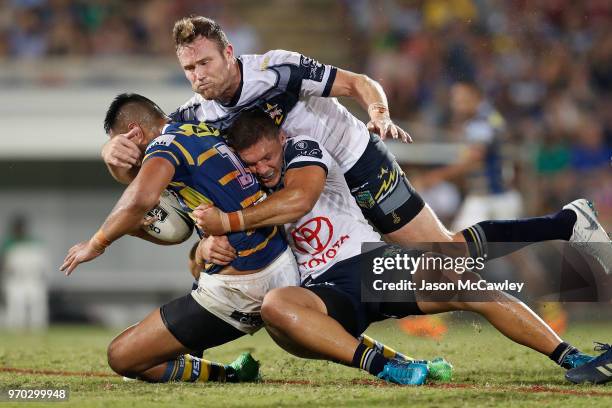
[521, 389]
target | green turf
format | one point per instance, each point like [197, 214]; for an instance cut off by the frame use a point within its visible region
[489, 371]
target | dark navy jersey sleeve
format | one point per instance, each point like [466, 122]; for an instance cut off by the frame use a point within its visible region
[303, 151]
[315, 78]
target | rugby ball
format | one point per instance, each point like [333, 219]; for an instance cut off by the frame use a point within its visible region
[173, 224]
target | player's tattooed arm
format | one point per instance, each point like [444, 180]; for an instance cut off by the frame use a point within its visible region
[137, 199]
[122, 157]
[302, 188]
[371, 96]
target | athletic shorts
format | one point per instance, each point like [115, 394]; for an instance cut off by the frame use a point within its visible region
[237, 299]
[195, 327]
[381, 189]
[340, 289]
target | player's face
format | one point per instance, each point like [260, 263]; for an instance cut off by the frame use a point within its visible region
[265, 159]
[207, 68]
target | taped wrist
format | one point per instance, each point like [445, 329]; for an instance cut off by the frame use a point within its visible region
[233, 222]
[100, 241]
[378, 109]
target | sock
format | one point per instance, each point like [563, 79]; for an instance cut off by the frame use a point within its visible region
[386, 351]
[520, 233]
[192, 369]
[369, 359]
[561, 352]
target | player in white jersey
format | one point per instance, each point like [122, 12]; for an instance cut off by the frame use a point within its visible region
[325, 231]
[298, 92]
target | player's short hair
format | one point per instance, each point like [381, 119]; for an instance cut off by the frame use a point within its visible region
[250, 127]
[128, 108]
[188, 29]
[192, 251]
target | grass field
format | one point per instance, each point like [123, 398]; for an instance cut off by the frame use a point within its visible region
[489, 371]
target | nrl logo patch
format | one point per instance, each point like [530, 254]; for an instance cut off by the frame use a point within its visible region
[365, 200]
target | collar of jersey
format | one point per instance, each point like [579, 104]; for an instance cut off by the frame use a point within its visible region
[236, 96]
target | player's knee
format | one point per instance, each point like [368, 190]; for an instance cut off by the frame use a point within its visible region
[117, 359]
[274, 307]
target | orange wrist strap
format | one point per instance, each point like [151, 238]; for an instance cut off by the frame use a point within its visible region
[99, 239]
[236, 221]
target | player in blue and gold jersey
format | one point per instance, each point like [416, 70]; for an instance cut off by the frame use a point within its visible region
[207, 172]
[193, 160]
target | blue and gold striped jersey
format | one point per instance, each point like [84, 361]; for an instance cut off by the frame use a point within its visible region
[208, 171]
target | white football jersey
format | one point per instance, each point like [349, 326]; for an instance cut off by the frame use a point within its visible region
[294, 90]
[335, 228]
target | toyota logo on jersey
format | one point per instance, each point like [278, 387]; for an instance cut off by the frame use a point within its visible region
[313, 236]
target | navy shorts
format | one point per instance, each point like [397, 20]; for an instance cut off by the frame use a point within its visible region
[340, 289]
[381, 189]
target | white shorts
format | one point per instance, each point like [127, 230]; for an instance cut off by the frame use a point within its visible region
[237, 299]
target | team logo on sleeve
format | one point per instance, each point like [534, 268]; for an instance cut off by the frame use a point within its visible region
[313, 69]
[306, 148]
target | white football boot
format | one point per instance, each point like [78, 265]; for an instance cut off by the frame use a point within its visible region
[588, 230]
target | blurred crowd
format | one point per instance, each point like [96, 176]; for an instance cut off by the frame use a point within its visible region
[31, 29]
[546, 65]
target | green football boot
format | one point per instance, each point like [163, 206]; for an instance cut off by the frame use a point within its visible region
[244, 369]
[440, 370]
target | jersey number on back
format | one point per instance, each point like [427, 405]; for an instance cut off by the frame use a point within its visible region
[245, 178]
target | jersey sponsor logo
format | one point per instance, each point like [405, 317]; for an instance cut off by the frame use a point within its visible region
[306, 148]
[326, 256]
[313, 69]
[163, 140]
[313, 236]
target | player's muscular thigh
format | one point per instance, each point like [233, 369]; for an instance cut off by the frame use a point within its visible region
[425, 227]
